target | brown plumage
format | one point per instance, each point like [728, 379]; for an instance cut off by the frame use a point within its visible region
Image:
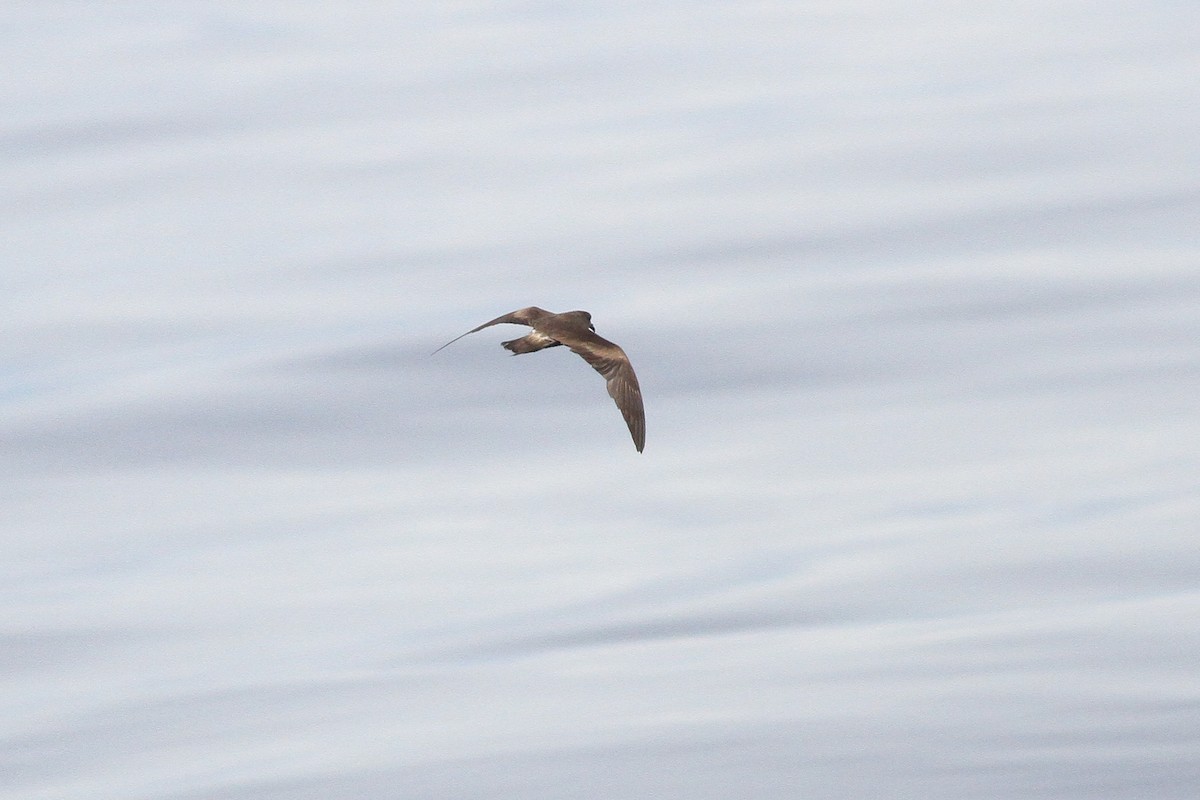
[575, 330]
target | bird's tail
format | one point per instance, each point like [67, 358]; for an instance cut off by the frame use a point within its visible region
[529, 344]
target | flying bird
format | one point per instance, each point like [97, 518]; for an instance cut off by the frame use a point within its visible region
[575, 330]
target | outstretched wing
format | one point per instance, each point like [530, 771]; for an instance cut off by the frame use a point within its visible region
[524, 316]
[610, 361]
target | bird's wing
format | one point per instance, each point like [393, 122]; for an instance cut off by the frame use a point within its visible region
[610, 361]
[523, 316]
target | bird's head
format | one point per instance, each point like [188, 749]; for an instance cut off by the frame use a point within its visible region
[584, 317]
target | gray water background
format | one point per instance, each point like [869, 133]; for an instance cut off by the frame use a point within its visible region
[913, 291]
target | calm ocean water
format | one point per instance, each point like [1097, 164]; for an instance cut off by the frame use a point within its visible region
[912, 292]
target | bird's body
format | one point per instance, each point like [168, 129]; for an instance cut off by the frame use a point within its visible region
[575, 330]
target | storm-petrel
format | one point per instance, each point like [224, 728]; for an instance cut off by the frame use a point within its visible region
[575, 330]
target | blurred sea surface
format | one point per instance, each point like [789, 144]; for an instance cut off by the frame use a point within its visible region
[913, 293]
